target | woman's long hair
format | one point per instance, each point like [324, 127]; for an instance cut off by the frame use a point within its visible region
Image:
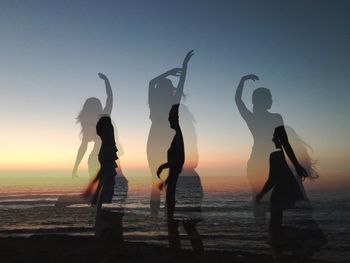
[301, 149]
[88, 117]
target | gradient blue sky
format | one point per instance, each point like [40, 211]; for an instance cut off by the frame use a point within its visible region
[51, 52]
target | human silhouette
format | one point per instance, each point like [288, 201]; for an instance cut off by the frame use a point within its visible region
[88, 117]
[108, 223]
[286, 191]
[175, 162]
[261, 123]
[189, 190]
[162, 95]
[102, 186]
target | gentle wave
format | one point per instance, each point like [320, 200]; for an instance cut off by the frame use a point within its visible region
[227, 218]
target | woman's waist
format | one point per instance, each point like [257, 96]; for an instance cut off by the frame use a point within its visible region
[108, 167]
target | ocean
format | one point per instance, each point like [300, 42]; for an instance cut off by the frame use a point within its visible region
[222, 205]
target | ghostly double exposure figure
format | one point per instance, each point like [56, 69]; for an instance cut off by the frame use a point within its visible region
[301, 234]
[162, 95]
[89, 115]
[175, 162]
[269, 169]
[262, 123]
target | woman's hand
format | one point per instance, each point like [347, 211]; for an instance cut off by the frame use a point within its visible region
[160, 169]
[250, 77]
[175, 72]
[302, 173]
[187, 58]
[102, 76]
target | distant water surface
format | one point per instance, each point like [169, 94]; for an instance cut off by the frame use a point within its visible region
[222, 203]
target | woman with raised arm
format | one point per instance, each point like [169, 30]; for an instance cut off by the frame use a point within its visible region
[88, 117]
[261, 123]
[162, 95]
[175, 162]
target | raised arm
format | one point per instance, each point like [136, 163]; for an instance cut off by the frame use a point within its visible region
[243, 110]
[109, 101]
[153, 83]
[81, 151]
[181, 84]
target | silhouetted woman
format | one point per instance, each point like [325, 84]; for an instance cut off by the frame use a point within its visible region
[88, 118]
[107, 156]
[161, 96]
[175, 162]
[285, 189]
[262, 123]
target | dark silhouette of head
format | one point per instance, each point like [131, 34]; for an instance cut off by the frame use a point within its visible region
[262, 99]
[174, 117]
[280, 137]
[104, 129]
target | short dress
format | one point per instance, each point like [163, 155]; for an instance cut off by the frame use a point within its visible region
[105, 178]
[286, 190]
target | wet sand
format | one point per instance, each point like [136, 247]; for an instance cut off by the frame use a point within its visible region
[67, 249]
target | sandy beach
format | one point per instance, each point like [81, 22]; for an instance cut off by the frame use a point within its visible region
[64, 248]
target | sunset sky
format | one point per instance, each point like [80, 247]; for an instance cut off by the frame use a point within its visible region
[51, 52]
